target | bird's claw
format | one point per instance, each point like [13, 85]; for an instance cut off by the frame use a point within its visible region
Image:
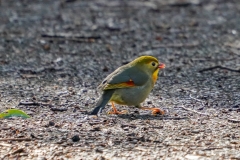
[156, 111]
[117, 112]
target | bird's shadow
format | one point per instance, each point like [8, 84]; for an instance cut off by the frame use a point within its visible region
[150, 117]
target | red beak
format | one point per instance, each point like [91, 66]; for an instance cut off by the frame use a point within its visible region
[161, 65]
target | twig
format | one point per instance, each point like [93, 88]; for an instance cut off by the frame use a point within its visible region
[175, 118]
[15, 139]
[29, 103]
[195, 98]
[58, 109]
[18, 151]
[39, 70]
[35, 103]
[140, 149]
[178, 45]
[29, 76]
[210, 59]
[234, 120]
[67, 1]
[213, 148]
[188, 145]
[70, 37]
[220, 67]
[187, 109]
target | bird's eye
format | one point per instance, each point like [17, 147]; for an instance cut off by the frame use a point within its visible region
[153, 64]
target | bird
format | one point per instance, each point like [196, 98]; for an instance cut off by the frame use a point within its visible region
[129, 85]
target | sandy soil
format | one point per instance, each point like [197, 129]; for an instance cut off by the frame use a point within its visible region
[53, 55]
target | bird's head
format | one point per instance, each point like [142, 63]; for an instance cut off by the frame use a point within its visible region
[148, 64]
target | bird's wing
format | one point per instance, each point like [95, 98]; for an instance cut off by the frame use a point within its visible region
[124, 77]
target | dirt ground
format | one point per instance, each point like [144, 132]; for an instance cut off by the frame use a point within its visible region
[54, 54]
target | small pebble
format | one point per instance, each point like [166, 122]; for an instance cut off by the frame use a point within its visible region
[75, 138]
[51, 123]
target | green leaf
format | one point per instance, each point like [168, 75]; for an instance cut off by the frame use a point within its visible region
[13, 113]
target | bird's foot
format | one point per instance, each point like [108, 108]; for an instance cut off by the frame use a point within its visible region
[117, 112]
[155, 111]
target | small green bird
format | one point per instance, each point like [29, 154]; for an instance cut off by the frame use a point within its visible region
[130, 85]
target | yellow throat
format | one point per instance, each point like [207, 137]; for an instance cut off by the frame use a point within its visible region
[155, 75]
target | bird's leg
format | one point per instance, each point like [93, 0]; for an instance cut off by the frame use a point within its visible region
[154, 110]
[115, 110]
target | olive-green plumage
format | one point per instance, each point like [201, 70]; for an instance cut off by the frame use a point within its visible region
[129, 84]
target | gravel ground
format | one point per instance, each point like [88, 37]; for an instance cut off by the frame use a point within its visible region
[53, 55]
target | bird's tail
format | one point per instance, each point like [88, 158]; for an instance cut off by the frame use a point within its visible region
[106, 96]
